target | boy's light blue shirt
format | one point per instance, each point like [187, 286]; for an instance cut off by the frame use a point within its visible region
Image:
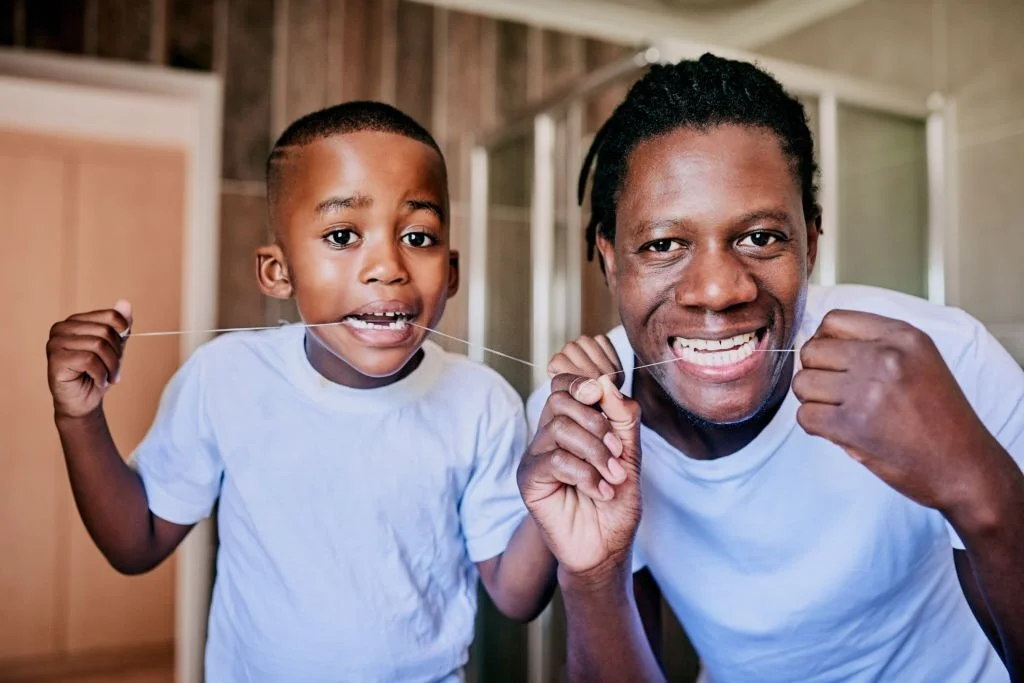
[349, 520]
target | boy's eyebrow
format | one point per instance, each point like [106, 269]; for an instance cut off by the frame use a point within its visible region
[333, 204]
[426, 205]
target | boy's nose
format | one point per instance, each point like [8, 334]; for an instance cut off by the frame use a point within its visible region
[384, 265]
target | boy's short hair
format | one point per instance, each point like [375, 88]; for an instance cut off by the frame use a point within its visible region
[348, 117]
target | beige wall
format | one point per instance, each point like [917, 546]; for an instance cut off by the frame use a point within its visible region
[972, 51]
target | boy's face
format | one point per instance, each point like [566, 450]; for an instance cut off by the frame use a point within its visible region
[361, 221]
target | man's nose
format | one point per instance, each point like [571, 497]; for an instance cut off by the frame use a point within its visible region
[715, 279]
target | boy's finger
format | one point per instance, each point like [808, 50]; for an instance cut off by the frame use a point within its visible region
[124, 307]
[81, 328]
[106, 317]
[74, 364]
[97, 346]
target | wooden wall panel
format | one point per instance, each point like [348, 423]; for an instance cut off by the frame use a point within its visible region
[190, 34]
[34, 232]
[243, 229]
[247, 88]
[129, 208]
[362, 54]
[414, 92]
[7, 11]
[513, 65]
[56, 25]
[563, 61]
[123, 29]
[306, 44]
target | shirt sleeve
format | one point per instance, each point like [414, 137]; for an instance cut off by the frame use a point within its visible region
[178, 460]
[994, 385]
[491, 508]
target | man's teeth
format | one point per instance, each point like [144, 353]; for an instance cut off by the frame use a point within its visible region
[712, 352]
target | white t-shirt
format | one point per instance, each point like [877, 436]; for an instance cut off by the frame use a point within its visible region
[350, 520]
[789, 561]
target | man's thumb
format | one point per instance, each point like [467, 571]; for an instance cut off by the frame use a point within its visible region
[624, 417]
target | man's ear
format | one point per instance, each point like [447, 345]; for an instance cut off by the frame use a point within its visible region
[272, 272]
[606, 252]
[453, 273]
[813, 232]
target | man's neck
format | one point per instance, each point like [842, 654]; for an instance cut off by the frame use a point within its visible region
[703, 441]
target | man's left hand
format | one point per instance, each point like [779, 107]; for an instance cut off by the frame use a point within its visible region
[879, 388]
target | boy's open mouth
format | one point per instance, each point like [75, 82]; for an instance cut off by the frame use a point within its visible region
[378, 321]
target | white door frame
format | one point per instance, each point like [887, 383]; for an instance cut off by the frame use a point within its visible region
[150, 105]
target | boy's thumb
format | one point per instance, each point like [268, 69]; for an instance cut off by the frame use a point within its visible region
[623, 416]
[124, 307]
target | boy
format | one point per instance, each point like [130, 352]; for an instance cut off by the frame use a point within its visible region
[364, 475]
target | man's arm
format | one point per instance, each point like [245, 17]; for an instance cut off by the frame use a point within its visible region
[607, 638]
[521, 580]
[991, 569]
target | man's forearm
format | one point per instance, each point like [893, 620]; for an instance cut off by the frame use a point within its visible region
[606, 638]
[109, 495]
[992, 528]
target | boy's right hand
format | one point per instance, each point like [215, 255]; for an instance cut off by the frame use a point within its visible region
[84, 358]
[580, 477]
[588, 357]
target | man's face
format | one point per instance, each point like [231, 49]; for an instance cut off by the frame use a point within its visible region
[709, 266]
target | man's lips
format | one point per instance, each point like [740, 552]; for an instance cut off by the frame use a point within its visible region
[724, 357]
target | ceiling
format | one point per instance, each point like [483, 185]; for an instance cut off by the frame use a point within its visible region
[743, 24]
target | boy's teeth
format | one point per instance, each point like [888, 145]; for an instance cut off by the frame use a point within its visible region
[358, 324]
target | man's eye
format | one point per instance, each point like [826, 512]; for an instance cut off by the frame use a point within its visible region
[419, 239]
[662, 246]
[759, 239]
[341, 238]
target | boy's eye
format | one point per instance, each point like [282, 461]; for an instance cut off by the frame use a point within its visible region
[759, 239]
[663, 246]
[341, 238]
[419, 239]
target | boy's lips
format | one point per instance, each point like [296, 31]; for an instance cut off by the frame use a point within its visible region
[382, 323]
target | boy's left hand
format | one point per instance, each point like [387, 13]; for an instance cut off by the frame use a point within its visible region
[588, 357]
[879, 388]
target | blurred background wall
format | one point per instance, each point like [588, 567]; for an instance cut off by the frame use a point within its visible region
[459, 66]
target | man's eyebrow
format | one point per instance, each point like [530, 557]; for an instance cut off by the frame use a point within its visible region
[776, 215]
[426, 205]
[335, 204]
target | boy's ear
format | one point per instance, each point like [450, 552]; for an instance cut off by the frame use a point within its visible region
[453, 273]
[272, 272]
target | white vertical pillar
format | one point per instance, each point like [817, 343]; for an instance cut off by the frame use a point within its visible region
[477, 256]
[542, 243]
[830, 241]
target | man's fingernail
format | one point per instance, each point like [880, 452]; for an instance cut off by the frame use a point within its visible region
[616, 470]
[614, 444]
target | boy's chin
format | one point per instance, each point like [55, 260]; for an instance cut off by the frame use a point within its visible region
[380, 363]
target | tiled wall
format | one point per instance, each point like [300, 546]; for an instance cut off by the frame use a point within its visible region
[971, 50]
[454, 72]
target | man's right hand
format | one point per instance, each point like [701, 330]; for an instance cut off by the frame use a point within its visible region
[580, 477]
[84, 358]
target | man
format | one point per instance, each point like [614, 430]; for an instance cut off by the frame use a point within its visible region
[831, 476]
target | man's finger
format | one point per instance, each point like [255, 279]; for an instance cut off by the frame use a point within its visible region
[844, 324]
[571, 471]
[597, 355]
[820, 419]
[583, 389]
[820, 386]
[609, 351]
[598, 449]
[624, 417]
[577, 353]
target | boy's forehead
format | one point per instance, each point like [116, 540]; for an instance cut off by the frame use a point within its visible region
[368, 162]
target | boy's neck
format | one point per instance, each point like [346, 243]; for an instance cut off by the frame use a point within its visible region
[333, 368]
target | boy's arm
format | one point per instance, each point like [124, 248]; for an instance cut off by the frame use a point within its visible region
[111, 499]
[84, 358]
[522, 579]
